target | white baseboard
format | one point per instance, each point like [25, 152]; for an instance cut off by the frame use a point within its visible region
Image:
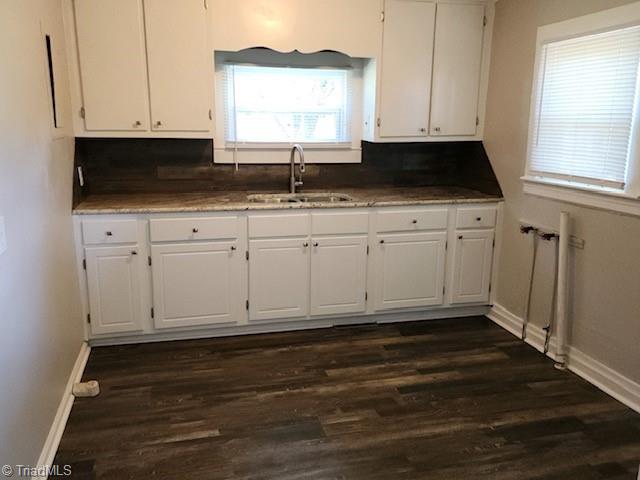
[605, 378]
[259, 327]
[513, 324]
[52, 442]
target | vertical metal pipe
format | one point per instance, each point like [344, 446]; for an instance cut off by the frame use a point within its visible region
[562, 292]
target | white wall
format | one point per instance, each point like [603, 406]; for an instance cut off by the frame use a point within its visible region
[605, 293]
[352, 27]
[40, 324]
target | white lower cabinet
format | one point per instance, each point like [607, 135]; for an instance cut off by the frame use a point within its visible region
[338, 275]
[409, 270]
[197, 284]
[113, 283]
[296, 266]
[473, 254]
[278, 278]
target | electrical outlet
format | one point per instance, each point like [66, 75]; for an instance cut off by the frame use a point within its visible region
[3, 236]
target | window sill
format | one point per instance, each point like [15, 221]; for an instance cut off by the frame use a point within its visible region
[610, 200]
[288, 146]
[270, 156]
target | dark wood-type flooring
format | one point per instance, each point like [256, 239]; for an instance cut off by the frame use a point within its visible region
[446, 399]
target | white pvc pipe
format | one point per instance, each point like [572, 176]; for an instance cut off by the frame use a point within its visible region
[562, 327]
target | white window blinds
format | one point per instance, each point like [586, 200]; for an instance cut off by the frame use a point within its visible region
[265, 104]
[584, 114]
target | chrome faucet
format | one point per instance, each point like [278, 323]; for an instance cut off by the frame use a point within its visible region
[293, 183]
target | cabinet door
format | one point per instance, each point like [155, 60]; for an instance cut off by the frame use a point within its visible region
[278, 278]
[407, 53]
[112, 64]
[472, 266]
[456, 69]
[410, 270]
[196, 284]
[338, 275]
[180, 64]
[113, 276]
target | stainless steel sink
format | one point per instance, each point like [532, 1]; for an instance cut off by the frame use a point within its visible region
[329, 197]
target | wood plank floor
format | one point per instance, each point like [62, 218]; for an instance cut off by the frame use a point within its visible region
[446, 399]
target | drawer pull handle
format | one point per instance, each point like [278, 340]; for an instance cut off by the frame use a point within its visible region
[233, 248]
[194, 230]
[478, 219]
[305, 244]
[414, 221]
[133, 252]
[381, 241]
[108, 234]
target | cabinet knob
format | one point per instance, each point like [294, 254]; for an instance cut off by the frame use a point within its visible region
[233, 248]
[414, 221]
[194, 230]
[315, 244]
[436, 129]
[158, 123]
[305, 244]
[459, 237]
[108, 233]
[137, 123]
[381, 241]
[423, 130]
[478, 219]
[133, 252]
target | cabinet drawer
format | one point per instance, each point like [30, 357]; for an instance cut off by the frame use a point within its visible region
[197, 228]
[265, 226]
[109, 231]
[410, 220]
[339, 223]
[476, 217]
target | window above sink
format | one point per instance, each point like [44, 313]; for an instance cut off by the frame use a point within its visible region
[268, 105]
[268, 101]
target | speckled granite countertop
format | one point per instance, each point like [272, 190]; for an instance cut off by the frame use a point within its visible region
[226, 201]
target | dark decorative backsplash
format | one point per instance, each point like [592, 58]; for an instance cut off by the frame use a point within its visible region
[185, 165]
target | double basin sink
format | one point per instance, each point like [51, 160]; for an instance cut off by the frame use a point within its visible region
[329, 197]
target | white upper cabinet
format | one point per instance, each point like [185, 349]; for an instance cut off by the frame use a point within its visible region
[457, 61]
[338, 274]
[405, 83]
[111, 50]
[472, 266]
[180, 64]
[113, 283]
[145, 67]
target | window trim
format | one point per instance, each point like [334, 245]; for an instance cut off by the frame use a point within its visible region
[345, 110]
[581, 194]
[623, 201]
[265, 153]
